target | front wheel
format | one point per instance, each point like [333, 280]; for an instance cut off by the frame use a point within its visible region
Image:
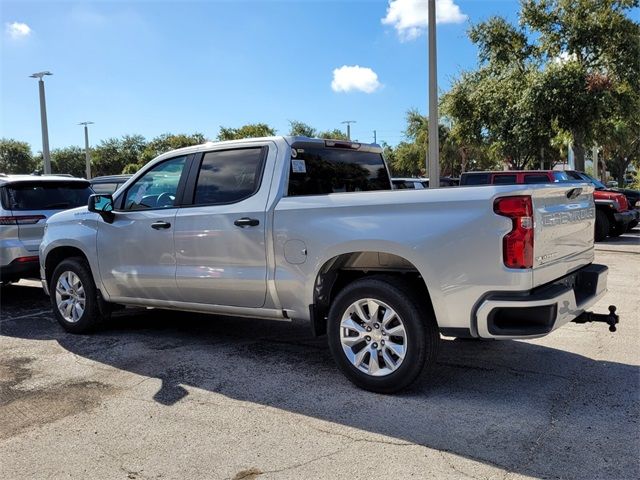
[380, 334]
[74, 296]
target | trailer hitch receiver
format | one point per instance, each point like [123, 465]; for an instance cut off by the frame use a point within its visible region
[611, 318]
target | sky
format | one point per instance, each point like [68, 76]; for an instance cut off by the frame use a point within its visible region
[150, 67]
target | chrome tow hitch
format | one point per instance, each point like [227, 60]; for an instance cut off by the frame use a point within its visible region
[609, 318]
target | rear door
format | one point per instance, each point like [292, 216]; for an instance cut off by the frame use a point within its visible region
[220, 237]
[33, 202]
[564, 219]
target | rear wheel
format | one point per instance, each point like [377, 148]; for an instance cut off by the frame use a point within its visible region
[74, 296]
[381, 335]
[602, 226]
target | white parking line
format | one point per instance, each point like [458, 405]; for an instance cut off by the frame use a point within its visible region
[35, 314]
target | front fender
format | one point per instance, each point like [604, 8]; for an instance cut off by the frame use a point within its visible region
[79, 234]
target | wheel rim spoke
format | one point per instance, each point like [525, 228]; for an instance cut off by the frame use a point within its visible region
[396, 348]
[360, 312]
[387, 357]
[397, 331]
[373, 309]
[374, 365]
[373, 338]
[359, 357]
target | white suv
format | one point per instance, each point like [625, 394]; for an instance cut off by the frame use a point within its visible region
[26, 201]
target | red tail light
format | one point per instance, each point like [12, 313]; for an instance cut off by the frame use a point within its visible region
[624, 204]
[22, 220]
[27, 259]
[517, 245]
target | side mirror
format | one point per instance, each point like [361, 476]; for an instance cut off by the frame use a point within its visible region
[102, 204]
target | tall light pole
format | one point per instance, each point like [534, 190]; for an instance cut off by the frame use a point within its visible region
[86, 148]
[349, 122]
[43, 120]
[433, 161]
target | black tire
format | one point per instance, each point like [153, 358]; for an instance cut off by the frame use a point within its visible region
[602, 225]
[91, 316]
[617, 229]
[632, 225]
[421, 329]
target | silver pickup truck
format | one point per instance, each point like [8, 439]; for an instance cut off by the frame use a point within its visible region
[288, 228]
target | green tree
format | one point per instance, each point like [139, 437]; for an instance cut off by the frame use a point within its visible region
[335, 134]
[16, 157]
[251, 130]
[70, 160]
[167, 142]
[297, 128]
[590, 49]
[112, 155]
[620, 137]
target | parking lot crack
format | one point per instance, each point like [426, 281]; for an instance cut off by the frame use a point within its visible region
[453, 467]
[307, 462]
[362, 440]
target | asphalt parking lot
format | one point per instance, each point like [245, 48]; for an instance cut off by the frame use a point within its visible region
[160, 395]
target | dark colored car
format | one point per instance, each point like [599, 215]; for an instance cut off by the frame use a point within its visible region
[108, 183]
[632, 196]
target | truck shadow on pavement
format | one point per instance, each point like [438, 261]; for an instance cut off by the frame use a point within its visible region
[523, 407]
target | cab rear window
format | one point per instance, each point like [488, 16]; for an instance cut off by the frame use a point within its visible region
[47, 195]
[319, 171]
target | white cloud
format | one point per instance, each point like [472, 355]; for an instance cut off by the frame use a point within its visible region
[409, 17]
[17, 30]
[348, 78]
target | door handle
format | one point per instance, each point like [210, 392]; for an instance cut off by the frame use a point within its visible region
[246, 222]
[160, 225]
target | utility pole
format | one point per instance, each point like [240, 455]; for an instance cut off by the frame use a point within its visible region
[375, 137]
[349, 122]
[433, 161]
[86, 148]
[43, 120]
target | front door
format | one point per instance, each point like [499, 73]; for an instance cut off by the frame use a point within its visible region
[220, 239]
[136, 252]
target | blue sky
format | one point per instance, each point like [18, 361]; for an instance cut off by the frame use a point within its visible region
[151, 67]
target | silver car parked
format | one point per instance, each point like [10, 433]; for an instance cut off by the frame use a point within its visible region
[26, 201]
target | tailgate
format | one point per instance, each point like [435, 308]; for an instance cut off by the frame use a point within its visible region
[564, 219]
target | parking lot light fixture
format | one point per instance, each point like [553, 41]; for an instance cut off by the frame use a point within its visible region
[87, 156]
[43, 120]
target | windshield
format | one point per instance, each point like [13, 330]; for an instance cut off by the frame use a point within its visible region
[598, 184]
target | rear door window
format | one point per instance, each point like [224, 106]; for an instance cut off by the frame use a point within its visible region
[504, 179]
[229, 176]
[475, 179]
[47, 195]
[320, 171]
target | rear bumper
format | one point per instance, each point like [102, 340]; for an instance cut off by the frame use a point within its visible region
[17, 270]
[625, 218]
[537, 312]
